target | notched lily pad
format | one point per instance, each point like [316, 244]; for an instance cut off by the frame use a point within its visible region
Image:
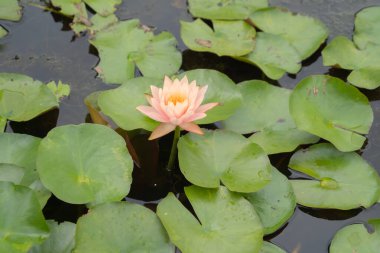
[265, 110]
[329, 108]
[127, 44]
[121, 227]
[85, 163]
[356, 238]
[74, 7]
[336, 175]
[10, 10]
[232, 38]
[226, 222]
[223, 156]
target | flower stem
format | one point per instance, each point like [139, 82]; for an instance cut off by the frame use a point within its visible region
[173, 152]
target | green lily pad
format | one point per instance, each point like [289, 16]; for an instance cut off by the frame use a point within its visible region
[61, 239]
[356, 238]
[85, 163]
[292, 27]
[74, 7]
[10, 10]
[120, 103]
[121, 227]
[3, 124]
[336, 175]
[329, 108]
[3, 32]
[265, 110]
[100, 22]
[232, 38]
[59, 89]
[271, 248]
[223, 156]
[274, 55]
[22, 223]
[226, 222]
[367, 27]
[275, 203]
[225, 9]
[128, 43]
[22, 98]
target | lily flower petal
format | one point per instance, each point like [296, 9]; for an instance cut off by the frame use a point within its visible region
[161, 130]
[191, 127]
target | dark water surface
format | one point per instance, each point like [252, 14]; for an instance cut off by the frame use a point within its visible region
[42, 46]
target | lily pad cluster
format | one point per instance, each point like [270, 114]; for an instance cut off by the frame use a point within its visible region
[361, 54]
[9, 10]
[271, 38]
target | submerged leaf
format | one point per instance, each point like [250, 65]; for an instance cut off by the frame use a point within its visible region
[226, 222]
[10, 10]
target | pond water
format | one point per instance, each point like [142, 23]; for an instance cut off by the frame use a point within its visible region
[42, 46]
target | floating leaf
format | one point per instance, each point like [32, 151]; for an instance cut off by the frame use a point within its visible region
[22, 223]
[233, 38]
[223, 156]
[22, 98]
[356, 238]
[10, 10]
[265, 110]
[126, 44]
[121, 227]
[274, 55]
[75, 7]
[100, 22]
[85, 163]
[3, 32]
[3, 124]
[221, 89]
[292, 27]
[367, 27]
[226, 222]
[60, 90]
[336, 175]
[275, 203]
[221, 9]
[331, 109]
[61, 239]
[271, 248]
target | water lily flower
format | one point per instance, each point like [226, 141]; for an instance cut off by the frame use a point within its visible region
[178, 103]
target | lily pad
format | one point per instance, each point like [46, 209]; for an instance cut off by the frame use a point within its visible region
[74, 7]
[292, 27]
[22, 98]
[10, 10]
[223, 156]
[225, 9]
[336, 175]
[329, 108]
[121, 227]
[232, 38]
[356, 238]
[3, 32]
[271, 248]
[221, 89]
[61, 239]
[275, 203]
[59, 89]
[128, 43]
[24, 224]
[274, 55]
[85, 163]
[226, 222]
[265, 110]
[3, 124]
[367, 27]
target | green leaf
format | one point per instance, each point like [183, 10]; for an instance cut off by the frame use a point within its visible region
[3, 32]
[336, 175]
[22, 98]
[367, 27]
[225, 9]
[265, 110]
[11, 173]
[22, 223]
[331, 109]
[60, 90]
[128, 43]
[85, 163]
[75, 7]
[61, 239]
[271, 248]
[275, 203]
[100, 23]
[356, 238]
[292, 27]
[220, 89]
[121, 227]
[3, 124]
[274, 55]
[226, 222]
[10, 10]
[120, 103]
[223, 156]
[102, 7]
[231, 38]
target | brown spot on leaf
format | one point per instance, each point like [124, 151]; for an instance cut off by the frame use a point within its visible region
[204, 43]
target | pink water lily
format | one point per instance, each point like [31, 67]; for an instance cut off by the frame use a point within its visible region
[178, 103]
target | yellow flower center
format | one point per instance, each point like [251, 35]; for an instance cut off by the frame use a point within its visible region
[176, 98]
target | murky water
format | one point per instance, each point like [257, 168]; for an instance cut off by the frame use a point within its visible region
[41, 46]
